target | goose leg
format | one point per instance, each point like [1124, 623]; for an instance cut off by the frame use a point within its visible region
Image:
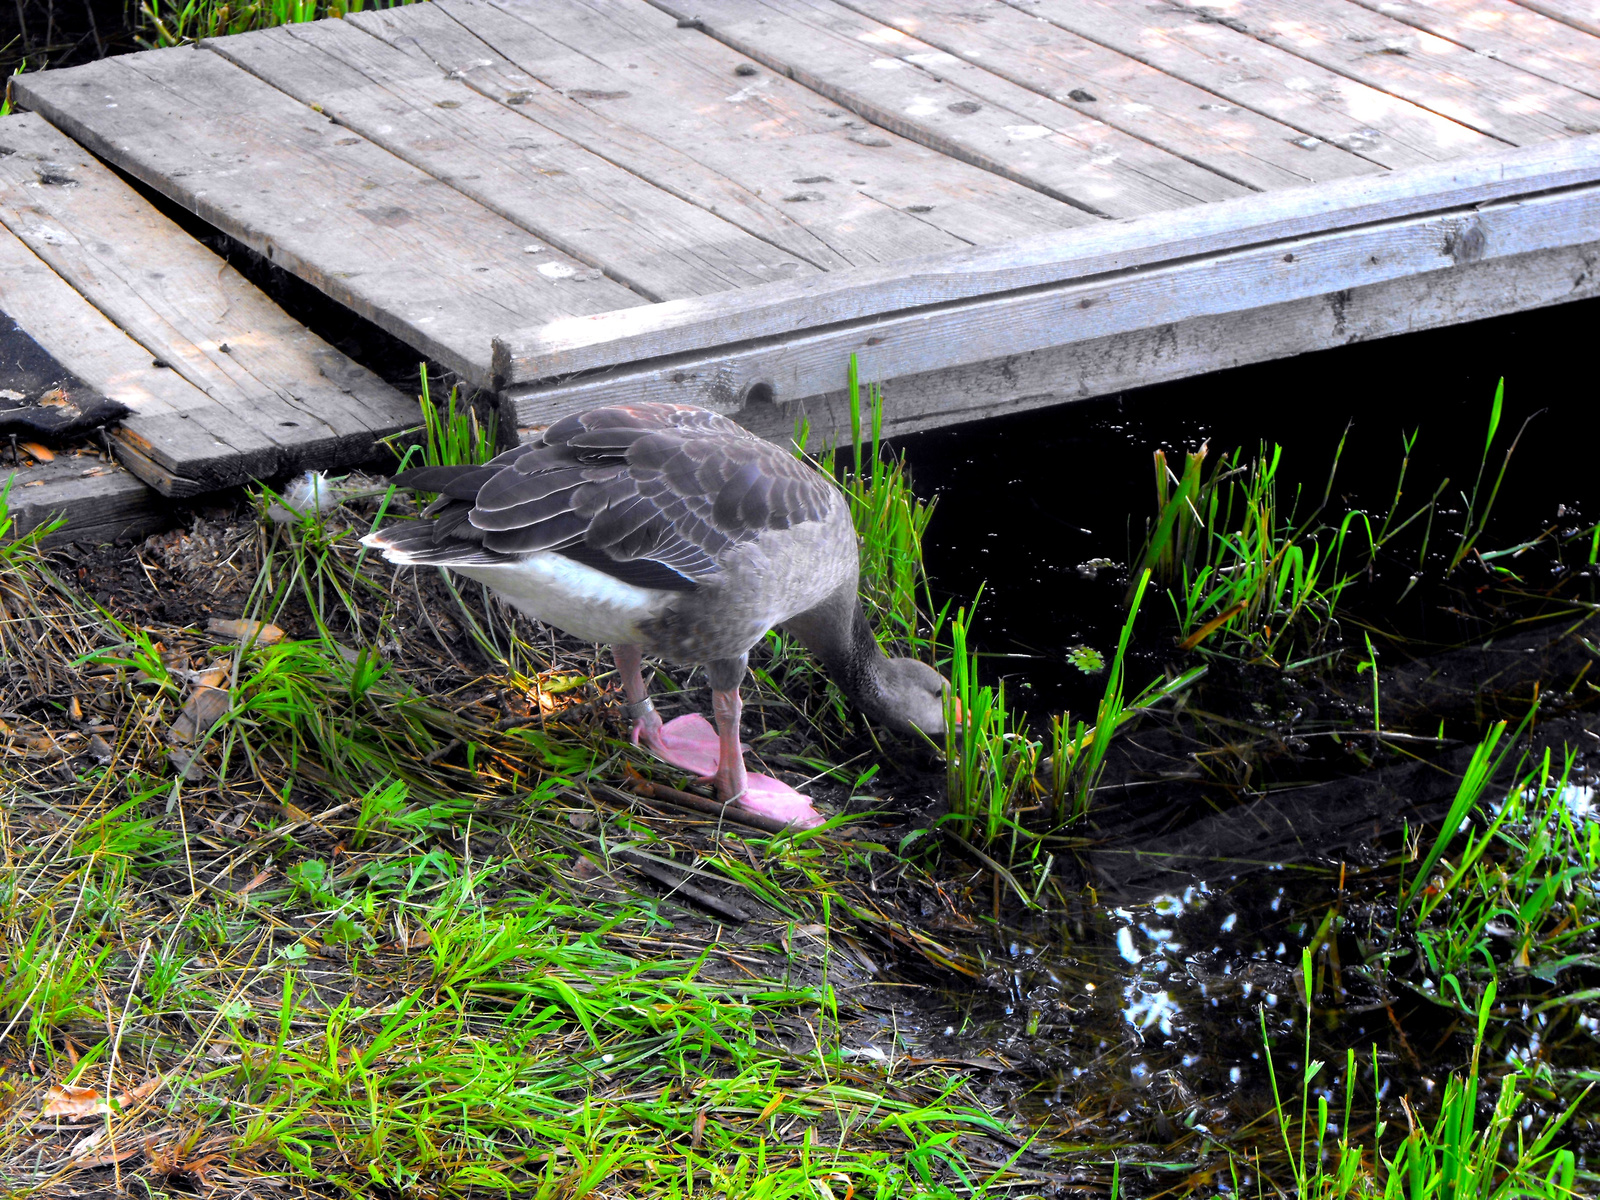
[646, 721]
[758, 793]
[730, 779]
[688, 743]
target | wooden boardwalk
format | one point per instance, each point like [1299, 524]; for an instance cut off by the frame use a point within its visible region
[994, 204]
[223, 386]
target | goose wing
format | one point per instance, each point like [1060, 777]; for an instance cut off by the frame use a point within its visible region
[653, 494]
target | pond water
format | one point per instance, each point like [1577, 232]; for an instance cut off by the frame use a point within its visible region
[1133, 1002]
[1024, 501]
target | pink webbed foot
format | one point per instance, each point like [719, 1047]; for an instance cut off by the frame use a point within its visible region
[691, 744]
[776, 799]
[688, 743]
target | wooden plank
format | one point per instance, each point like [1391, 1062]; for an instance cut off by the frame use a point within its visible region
[924, 94]
[648, 239]
[176, 420]
[670, 134]
[959, 334]
[563, 348]
[1508, 33]
[1580, 14]
[279, 397]
[759, 150]
[1109, 86]
[1105, 366]
[418, 258]
[102, 501]
[1489, 96]
[1260, 78]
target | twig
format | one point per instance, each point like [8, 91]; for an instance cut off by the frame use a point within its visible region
[727, 812]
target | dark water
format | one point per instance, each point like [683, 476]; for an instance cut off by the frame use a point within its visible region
[1024, 500]
[1133, 1015]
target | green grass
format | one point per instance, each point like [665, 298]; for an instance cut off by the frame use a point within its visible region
[1453, 1159]
[176, 22]
[370, 930]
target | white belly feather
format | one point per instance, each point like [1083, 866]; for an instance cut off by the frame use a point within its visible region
[577, 599]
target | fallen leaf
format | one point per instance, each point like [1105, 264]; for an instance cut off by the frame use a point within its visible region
[145, 1090]
[261, 877]
[100, 749]
[76, 1103]
[42, 746]
[105, 1160]
[85, 1144]
[205, 707]
[263, 633]
[39, 452]
[73, 1103]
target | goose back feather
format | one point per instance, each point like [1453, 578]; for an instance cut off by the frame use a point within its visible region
[704, 535]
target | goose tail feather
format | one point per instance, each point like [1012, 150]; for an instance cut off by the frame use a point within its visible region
[411, 544]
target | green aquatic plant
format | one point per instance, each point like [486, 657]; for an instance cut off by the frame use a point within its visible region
[1477, 520]
[1249, 570]
[1236, 556]
[990, 763]
[1511, 886]
[994, 769]
[1453, 1159]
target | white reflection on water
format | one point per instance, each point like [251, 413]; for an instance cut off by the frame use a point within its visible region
[1579, 799]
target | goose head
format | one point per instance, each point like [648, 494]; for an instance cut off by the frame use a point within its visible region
[910, 697]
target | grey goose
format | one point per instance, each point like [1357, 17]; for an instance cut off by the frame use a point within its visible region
[670, 531]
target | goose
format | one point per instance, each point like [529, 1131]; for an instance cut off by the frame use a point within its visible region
[670, 531]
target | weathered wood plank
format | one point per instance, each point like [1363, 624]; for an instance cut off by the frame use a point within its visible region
[1104, 366]
[1123, 92]
[102, 501]
[421, 260]
[284, 400]
[680, 326]
[689, 149]
[1440, 75]
[177, 421]
[646, 238]
[924, 94]
[1256, 77]
[1580, 14]
[1508, 33]
[974, 331]
[759, 150]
